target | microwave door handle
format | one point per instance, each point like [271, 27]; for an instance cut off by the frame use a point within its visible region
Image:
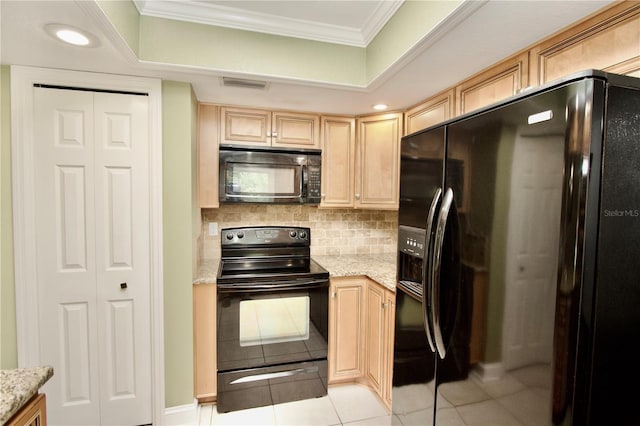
[305, 180]
[426, 268]
[447, 201]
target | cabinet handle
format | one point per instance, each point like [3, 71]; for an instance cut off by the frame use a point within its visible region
[123, 286]
[333, 295]
[357, 196]
[274, 134]
[385, 305]
[323, 196]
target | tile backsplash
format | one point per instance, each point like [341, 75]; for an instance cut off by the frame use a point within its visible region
[333, 231]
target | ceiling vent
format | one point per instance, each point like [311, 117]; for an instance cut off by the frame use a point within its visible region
[243, 82]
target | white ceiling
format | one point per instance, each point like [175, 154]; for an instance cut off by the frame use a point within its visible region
[477, 35]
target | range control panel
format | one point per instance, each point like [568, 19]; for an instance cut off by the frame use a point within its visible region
[411, 240]
[265, 235]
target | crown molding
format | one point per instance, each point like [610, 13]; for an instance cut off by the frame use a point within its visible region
[383, 13]
[229, 17]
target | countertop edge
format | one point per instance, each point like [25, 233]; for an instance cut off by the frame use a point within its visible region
[18, 386]
[380, 268]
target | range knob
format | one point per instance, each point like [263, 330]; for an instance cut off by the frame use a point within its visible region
[303, 235]
[293, 234]
[229, 236]
[240, 234]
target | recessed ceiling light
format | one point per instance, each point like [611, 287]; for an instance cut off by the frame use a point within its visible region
[71, 35]
[380, 107]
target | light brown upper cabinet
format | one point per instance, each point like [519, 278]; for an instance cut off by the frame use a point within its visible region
[244, 126]
[338, 161]
[208, 155]
[378, 161]
[609, 41]
[499, 82]
[433, 111]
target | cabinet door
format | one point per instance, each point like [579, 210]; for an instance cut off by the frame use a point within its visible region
[500, 82]
[204, 341]
[295, 130]
[243, 126]
[375, 333]
[34, 413]
[380, 317]
[378, 165]
[338, 161]
[345, 330]
[429, 113]
[208, 156]
[609, 41]
[388, 341]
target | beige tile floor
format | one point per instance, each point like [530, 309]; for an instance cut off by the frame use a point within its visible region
[518, 399]
[352, 405]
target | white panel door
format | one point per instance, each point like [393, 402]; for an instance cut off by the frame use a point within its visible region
[532, 251]
[122, 257]
[92, 197]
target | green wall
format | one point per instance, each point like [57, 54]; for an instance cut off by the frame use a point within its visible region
[125, 18]
[224, 49]
[408, 26]
[179, 165]
[163, 41]
[8, 350]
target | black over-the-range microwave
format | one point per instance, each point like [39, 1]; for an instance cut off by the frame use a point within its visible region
[269, 175]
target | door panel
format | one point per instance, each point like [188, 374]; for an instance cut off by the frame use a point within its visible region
[119, 217]
[122, 345]
[122, 276]
[93, 275]
[65, 256]
[72, 247]
[75, 344]
[534, 224]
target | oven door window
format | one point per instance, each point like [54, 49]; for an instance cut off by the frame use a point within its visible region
[271, 327]
[263, 180]
[269, 321]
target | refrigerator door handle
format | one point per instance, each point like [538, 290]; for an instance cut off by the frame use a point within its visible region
[426, 270]
[447, 201]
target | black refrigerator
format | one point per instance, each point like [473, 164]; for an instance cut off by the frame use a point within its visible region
[518, 293]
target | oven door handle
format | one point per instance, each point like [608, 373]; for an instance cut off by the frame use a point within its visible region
[268, 376]
[272, 285]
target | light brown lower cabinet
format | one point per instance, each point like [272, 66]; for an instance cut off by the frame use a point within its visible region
[34, 413]
[361, 326]
[346, 337]
[379, 329]
[204, 342]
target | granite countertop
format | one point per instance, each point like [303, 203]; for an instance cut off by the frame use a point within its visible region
[17, 386]
[207, 271]
[378, 267]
